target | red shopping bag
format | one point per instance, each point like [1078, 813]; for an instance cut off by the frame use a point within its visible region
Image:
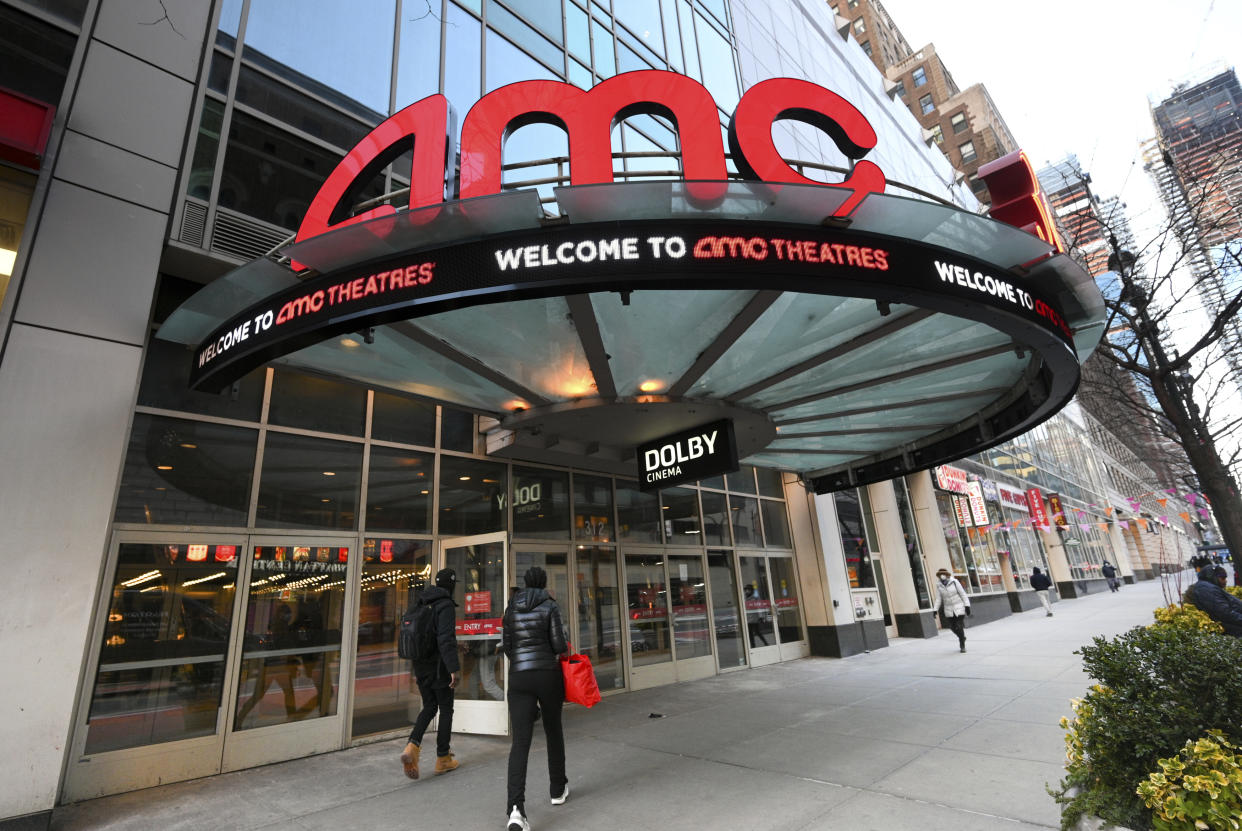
[580, 685]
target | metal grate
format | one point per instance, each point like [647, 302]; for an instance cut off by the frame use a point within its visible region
[193, 221]
[244, 237]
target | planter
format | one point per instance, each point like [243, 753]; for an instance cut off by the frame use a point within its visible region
[1088, 822]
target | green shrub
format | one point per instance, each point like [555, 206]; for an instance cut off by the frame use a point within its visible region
[1199, 789]
[1159, 686]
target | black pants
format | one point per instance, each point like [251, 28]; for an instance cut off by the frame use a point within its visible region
[958, 625]
[434, 697]
[532, 691]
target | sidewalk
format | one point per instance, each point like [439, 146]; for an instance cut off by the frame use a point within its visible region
[912, 736]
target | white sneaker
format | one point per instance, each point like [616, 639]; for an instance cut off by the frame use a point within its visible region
[560, 800]
[517, 822]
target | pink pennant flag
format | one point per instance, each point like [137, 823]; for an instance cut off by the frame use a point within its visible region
[1124, 524]
[1171, 491]
[1190, 497]
[1084, 526]
[1203, 512]
[1164, 520]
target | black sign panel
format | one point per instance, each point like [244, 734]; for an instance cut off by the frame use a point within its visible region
[670, 254]
[687, 456]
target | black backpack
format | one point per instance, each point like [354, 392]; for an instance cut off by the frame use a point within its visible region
[417, 639]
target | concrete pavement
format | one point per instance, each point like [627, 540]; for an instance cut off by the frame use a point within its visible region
[912, 736]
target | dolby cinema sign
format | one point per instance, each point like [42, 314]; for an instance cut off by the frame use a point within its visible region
[688, 456]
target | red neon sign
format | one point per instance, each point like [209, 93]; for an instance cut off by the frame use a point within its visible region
[1017, 199]
[588, 117]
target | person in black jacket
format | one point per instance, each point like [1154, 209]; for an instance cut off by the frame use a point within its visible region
[1041, 583]
[533, 639]
[437, 678]
[1210, 597]
[1110, 574]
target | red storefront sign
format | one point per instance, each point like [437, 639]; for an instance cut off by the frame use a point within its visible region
[949, 478]
[961, 505]
[588, 117]
[1011, 498]
[478, 602]
[1058, 511]
[25, 125]
[1035, 505]
[483, 626]
[978, 508]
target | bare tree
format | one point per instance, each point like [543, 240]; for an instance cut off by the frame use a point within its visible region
[1170, 356]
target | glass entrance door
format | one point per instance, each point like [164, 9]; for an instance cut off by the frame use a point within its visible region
[761, 636]
[669, 634]
[692, 636]
[286, 701]
[481, 595]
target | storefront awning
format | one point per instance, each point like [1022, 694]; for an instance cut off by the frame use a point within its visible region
[848, 351]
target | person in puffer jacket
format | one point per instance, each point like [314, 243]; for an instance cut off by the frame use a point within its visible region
[1210, 597]
[533, 639]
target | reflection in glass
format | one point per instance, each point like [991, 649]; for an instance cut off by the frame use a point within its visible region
[304, 40]
[715, 519]
[291, 655]
[785, 591]
[385, 694]
[315, 403]
[755, 594]
[775, 524]
[648, 609]
[689, 597]
[406, 420]
[472, 497]
[914, 551]
[399, 487]
[744, 511]
[540, 503]
[510, 58]
[638, 514]
[556, 564]
[743, 480]
[770, 483]
[418, 62]
[186, 473]
[725, 615]
[599, 614]
[161, 663]
[463, 54]
[592, 508]
[681, 516]
[166, 384]
[854, 538]
[203, 164]
[480, 598]
[309, 483]
[457, 430]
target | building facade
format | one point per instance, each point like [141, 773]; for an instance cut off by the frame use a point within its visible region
[206, 582]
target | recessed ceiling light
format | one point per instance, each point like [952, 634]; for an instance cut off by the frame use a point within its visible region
[163, 467]
[329, 473]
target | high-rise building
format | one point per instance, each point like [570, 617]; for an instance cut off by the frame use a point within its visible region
[1068, 188]
[1195, 160]
[964, 123]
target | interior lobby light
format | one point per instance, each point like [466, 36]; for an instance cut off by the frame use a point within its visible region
[329, 473]
[189, 446]
[651, 386]
[163, 467]
[7, 259]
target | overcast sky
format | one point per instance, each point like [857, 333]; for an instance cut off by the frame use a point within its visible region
[1076, 77]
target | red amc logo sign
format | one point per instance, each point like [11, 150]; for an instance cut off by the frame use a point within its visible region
[588, 117]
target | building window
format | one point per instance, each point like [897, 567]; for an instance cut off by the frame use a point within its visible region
[977, 185]
[968, 151]
[920, 77]
[860, 26]
[853, 4]
[866, 47]
[959, 122]
[937, 134]
[926, 105]
[901, 88]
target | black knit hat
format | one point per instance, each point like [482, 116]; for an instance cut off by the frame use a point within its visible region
[446, 579]
[536, 578]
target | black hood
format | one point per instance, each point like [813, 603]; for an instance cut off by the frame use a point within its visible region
[433, 593]
[527, 599]
[1208, 572]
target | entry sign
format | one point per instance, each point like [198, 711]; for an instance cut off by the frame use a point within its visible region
[688, 456]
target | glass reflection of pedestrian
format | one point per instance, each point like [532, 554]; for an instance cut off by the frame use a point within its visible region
[758, 632]
[954, 605]
[278, 668]
[533, 639]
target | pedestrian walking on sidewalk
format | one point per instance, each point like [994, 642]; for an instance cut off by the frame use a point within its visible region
[1110, 574]
[1043, 588]
[533, 639]
[437, 678]
[953, 605]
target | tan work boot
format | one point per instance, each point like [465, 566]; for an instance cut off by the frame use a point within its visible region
[445, 763]
[409, 760]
